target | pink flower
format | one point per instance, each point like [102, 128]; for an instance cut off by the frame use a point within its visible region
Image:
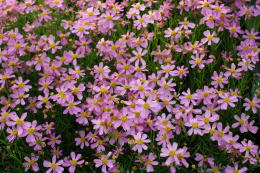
[219, 80]
[101, 71]
[138, 56]
[82, 140]
[198, 60]
[141, 21]
[73, 162]
[104, 161]
[188, 98]
[171, 152]
[210, 37]
[149, 162]
[53, 166]
[203, 160]
[249, 148]
[31, 163]
[54, 140]
[19, 122]
[140, 140]
[252, 104]
[235, 169]
[227, 100]
[195, 126]
[243, 122]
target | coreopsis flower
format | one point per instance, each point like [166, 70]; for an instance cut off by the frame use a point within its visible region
[171, 152]
[107, 19]
[73, 162]
[149, 162]
[243, 122]
[209, 37]
[235, 169]
[82, 140]
[20, 123]
[31, 163]
[197, 61]
[252, 104]
[195, 126]
[53, 140]
[188, 98]
[203, 160]
[101, 71]
[248, 148]
[57, 152]
[104, 161]
[141, 21]
[227, 100]
[219, 80]
[140, 140]
[53, 165]
[80, 30]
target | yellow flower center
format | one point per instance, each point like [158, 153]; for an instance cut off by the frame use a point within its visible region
[251, 36]
[194, 125]
[21, 85]
[44, 99]
[171, 153]
[123, 118]
[219, 80]
[30, 131]
[220, 133]
[141, 20]
[189, 96]
[198, 61]
[73, 162]
[210, 37]
[71, 105]
[14, 132]
[104, 160]
[146, 105]
[109, 17]
[100, 70]
[139, 141]
[53, 45]
[227, 100]
[53, 165]
[252, 104]
[19, 122]
[31, 162]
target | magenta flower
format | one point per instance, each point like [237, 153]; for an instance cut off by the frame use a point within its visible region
[101, 71]
[197, 61]
[252, 104]
[104, 162]
[227, 100]
[19, 122]
[235, 169]
[53, 166]
[210, 37]
[54, 140]
[249, 148]
[31, 163]
[73, 162]
[188, 98]
[149, 162]
[171, 152]
[219, 80]
[243, 122]
[71, 106]
[195, 126]
[140, 140]
[138, 56]
[82, 140]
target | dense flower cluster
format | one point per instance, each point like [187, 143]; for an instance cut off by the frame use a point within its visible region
[134, 79]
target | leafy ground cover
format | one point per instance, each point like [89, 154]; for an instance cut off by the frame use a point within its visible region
[130, 86]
